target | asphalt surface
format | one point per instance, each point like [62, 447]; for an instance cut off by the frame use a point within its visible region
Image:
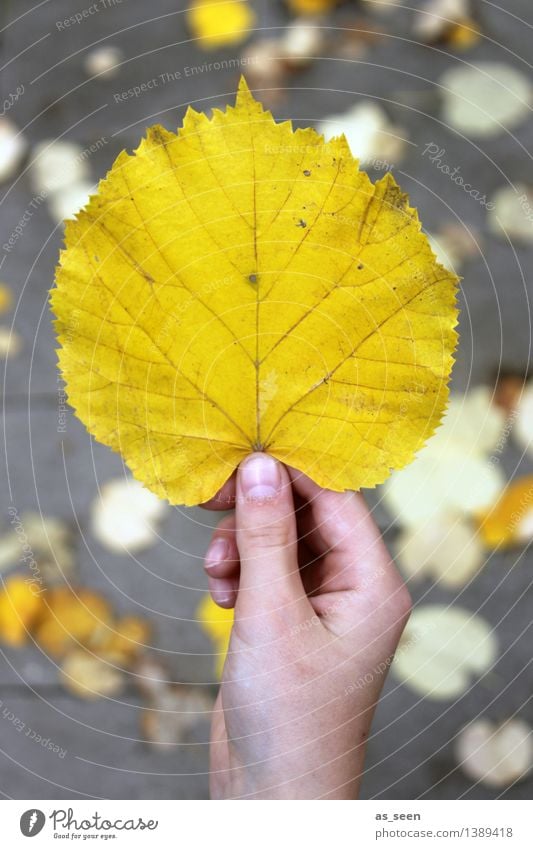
[411, 748]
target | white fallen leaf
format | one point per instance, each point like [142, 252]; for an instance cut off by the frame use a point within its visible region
[300, 42]
[56, 165]
[45, 539]
[497, 755]
[486, 99]
[13, 146]
[435, 17]
[10, 342]
[453, 245]
[511, 213]
[443, 650]
[472, 421]
[368, 131]
[264, 64]
[450, 481]
[10, 552]
[445, 252]
[67, 201]
[177, 710]
[125, 516]
[90, 677]
[446, 549]
[523, 419]
[103, 61]
[452, 473]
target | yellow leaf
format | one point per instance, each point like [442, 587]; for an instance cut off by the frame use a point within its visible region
[124, 639]
[464, 35]
[217, 623]
[311, 7]
[6, 298]
[241, 286]
[510, 521]
[218, 23]
[72, 616]
[20, 605]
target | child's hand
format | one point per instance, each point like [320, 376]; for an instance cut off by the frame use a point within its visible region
[319, 610]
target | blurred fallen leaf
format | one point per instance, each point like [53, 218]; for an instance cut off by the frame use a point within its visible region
[464, 35]
[103, 62]
[176, 711]
[125, 516]
[454, 244]
[173, 709]
[511, 213]
[6, 298]
[217, 623]
[311, 7]
[485, 100]
[379, 308]
[10, 342]
[510, 521]
[21, 603]
[72, 616]
[55, 165]
[300, 42]
[510, 386]
[496, 755]
[447, 549]
[368, 132]
[90, 677]
[64, 205]
[125, 639]
[442, 650]
[447, 22]
[523, 419]
[59, 171]
[13, 147]
[453, 473]
[48, 540]
[220, 23]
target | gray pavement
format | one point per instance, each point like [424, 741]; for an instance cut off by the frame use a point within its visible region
[410, 753]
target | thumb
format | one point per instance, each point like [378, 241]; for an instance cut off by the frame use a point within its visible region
[266, 538]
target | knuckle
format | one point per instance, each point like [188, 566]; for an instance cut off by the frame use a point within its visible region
[269, 537]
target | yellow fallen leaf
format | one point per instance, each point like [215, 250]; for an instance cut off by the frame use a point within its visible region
[464, 35]
[219, 23]
[311, 7]
[124, 639]
[72, 616]
[217, 623]
[20, 605]
[241, 286]
[6, 298]
[510, 521]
